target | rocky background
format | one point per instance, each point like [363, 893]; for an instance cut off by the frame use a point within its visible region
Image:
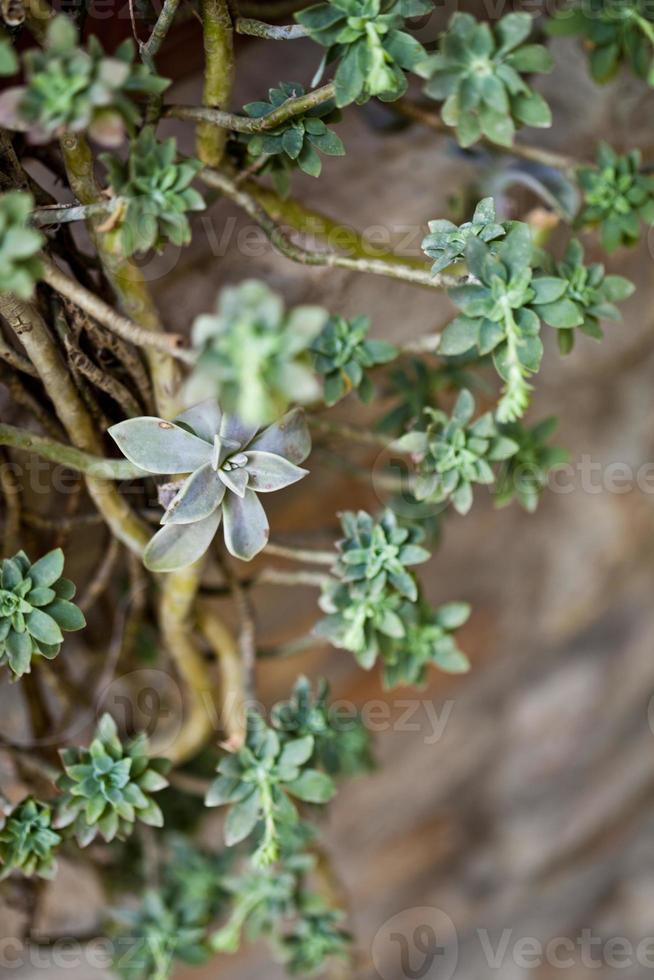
[517, 802]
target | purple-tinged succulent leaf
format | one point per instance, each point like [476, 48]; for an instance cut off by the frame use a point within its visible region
[234, 428]
[199, 496]
[158, 446]
[268, 471]
[246, 525]
[177, 545]
[288, 437]
[235, 480]
[203, 418]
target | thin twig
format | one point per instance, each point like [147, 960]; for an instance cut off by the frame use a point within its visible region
[76, 459]
[246, 124]
[273, 576]
[309, 555]
[101, 577]
[272, 32]
[349, 433]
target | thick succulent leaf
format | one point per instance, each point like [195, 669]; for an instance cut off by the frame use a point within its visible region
[199, 496]
[158, 446]
[288, 437]
[268, 472]
[204, 418]
[242, 819]
[234, 428]
[48, 569]
[178, 545]
[246, 525]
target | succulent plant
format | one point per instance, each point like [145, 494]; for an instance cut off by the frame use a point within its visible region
[156, 191]
[361, 616]
[8, 59]
[341, 746]
[229, 463]
[588, 296]
[446, 242]
[315, 937]
[296, 142]
[27, 841]
[107, 787]
[19, 245]
[68, 87]
[379, 551]
[497, 316]
[342, 354]
[614, 34]
[367, 39]
[415, 386]
[617, 197]
[252, 354]
[453, 454]
[35, 609]
[257, 782]
[478, 70]
[428, 640]
[524, 475]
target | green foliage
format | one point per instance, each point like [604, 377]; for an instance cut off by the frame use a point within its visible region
[68, 87]
[258, 782]
[8, 59]
[428, 640]
[524, 475]
[614, 34]
[617, 197]
[341, 745]
[107, 787]
[496, 313]
[314, 937]
[587, 298]
[342, 355]
[229, 462]
[367, 39]
[478, 70]
[446, 243]
[171, 924]
[452, 453]
[157, 192]
[19, 245]
[295, 143]
[27, 841]
[360, 617]
[416, 386]
[253, 354]
[35, 609]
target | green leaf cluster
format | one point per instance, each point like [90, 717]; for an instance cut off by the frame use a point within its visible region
[35, 609]
[8, 58]
[107, 787]
[253, 354]
[477, 73]
[68, 87]
[415, 386]
[368, 40]
[342, 354]
[258, 782]
[315, 936]
[297, 142]
[446, 242]
[27, 841]
[524, 475]
[19, 245]
[617, 197]
[156, 191]
[454, 453]
[614, 34]
[428, 640]
[341, 745]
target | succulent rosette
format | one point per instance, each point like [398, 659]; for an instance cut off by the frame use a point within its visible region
[228, 462]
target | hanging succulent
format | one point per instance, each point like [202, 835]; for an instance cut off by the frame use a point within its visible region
[68, 87]
[258, 781]
[367, 39]
[295, 143]
[229, 465]
[35, 608]
[253, 354]
[106, 788]
[617, 197]
[613, 34]
[452, 453]
[342, 355]
[478, 70]
[156, 191]
[19, 245]
[27, 841]
[428, 640]
[446, 243]
[524, 475]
